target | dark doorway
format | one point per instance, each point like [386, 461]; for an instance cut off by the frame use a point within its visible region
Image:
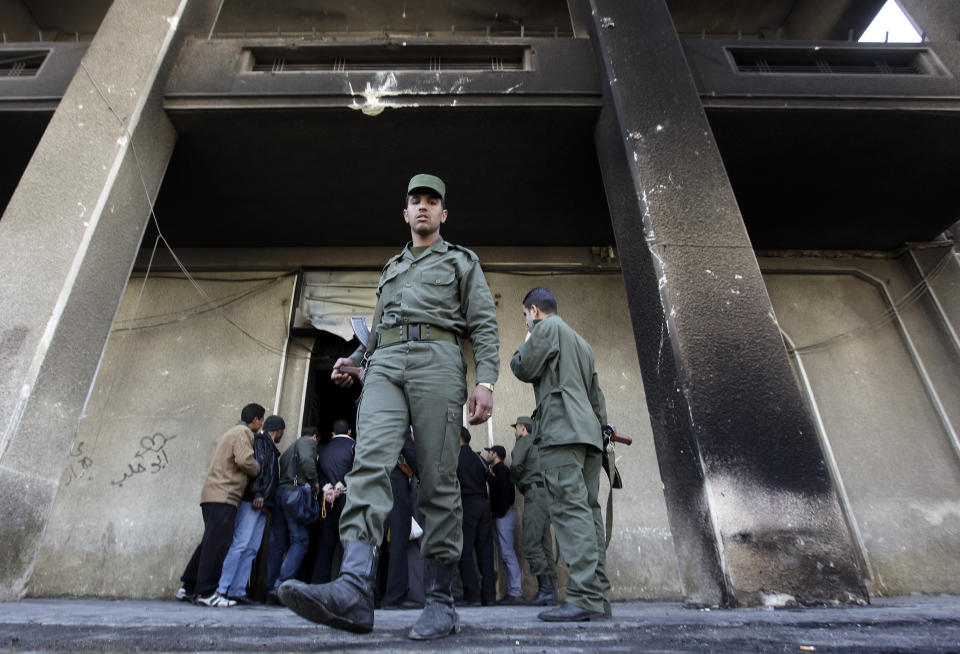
[325, 401]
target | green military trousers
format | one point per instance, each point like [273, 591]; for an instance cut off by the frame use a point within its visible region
[419, 384]
[572, 473]
[537, 540]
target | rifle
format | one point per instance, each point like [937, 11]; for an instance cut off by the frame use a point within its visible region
[353, 371]
[611, 436]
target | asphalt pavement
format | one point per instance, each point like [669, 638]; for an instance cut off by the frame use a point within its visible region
[898, 624]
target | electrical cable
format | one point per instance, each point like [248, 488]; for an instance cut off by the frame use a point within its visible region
[910, 297]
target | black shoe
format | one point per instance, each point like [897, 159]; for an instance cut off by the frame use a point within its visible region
[439, 619]
[272, 598]
[568, 612]
[467, 603]
[405, 605]
[511, 600]
[244, 600]
[344, 603]
[185, 595]
[547, 594]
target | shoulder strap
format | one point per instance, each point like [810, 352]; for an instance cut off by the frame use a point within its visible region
[372, 338]
[296, 461]
[378, 312]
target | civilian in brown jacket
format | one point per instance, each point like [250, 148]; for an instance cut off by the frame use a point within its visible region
[233, 463]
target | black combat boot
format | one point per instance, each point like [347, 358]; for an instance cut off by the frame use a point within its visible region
[439, 618]
[568, 612]
[547, 595]
[344, 603]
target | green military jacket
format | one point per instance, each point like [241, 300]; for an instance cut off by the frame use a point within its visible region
[445, 287]
[559, 363]
[525, 462]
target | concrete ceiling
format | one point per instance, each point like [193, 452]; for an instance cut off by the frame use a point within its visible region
[797, 19]
[330, 177]
[58, 20]
[369, 16]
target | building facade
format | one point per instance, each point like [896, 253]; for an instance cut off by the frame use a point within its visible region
[740, 207]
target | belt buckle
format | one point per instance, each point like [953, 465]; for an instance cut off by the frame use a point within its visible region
[413, 332]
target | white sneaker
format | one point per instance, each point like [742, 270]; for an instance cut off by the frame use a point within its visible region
[183, 595]
[215, 600]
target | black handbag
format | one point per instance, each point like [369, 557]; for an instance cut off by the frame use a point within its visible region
[300, 502]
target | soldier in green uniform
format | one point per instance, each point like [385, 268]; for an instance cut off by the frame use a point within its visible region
[526, 473]
[570, 411]
[430, 296]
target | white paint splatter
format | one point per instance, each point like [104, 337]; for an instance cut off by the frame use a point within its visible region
[937, 512]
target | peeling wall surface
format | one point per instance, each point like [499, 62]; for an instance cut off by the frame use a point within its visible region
[176, 376]
[896, 457]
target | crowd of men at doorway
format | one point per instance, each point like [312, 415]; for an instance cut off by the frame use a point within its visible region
[249, 482]
[431, 296]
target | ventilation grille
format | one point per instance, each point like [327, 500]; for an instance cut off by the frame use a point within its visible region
[412, 58]
[835, 61]
[21, 63]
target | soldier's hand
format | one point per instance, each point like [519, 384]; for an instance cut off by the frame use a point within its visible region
[342, 379]
[481, 405]
[258, 503]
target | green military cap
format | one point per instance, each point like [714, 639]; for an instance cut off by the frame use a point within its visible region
[526, 421]
[431, 182]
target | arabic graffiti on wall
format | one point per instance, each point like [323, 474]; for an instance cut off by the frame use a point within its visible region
[78, 464]
[150, 458]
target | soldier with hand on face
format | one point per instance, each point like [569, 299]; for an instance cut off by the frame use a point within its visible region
[430, 297]
[570, 411]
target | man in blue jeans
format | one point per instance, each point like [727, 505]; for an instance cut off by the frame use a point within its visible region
[284, 524]
[258, 500]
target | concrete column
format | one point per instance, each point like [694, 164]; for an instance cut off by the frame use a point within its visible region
[939, 19]
[70, 234]
[752, 508]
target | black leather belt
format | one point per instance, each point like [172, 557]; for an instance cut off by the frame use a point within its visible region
[416, 332]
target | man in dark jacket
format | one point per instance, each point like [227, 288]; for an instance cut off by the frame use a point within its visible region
[502, 497]
[252, 513]
[298, 466]
[334, 462]
[404, 486]
[477, 526]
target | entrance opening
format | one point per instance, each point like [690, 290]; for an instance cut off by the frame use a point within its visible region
[325, 401]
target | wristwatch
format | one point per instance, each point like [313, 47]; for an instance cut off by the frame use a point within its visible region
[486, 385]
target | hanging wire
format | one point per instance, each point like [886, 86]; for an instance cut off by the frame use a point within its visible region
[910, 297]
[278, 351]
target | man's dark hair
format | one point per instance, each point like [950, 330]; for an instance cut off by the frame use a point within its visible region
[308, 432]
[542, 298]
[464, 434]
[252, 411]
[406, 198]
[341, 426]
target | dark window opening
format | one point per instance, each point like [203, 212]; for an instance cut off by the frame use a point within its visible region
[21, 63]
[836, 61]
[412, 58]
